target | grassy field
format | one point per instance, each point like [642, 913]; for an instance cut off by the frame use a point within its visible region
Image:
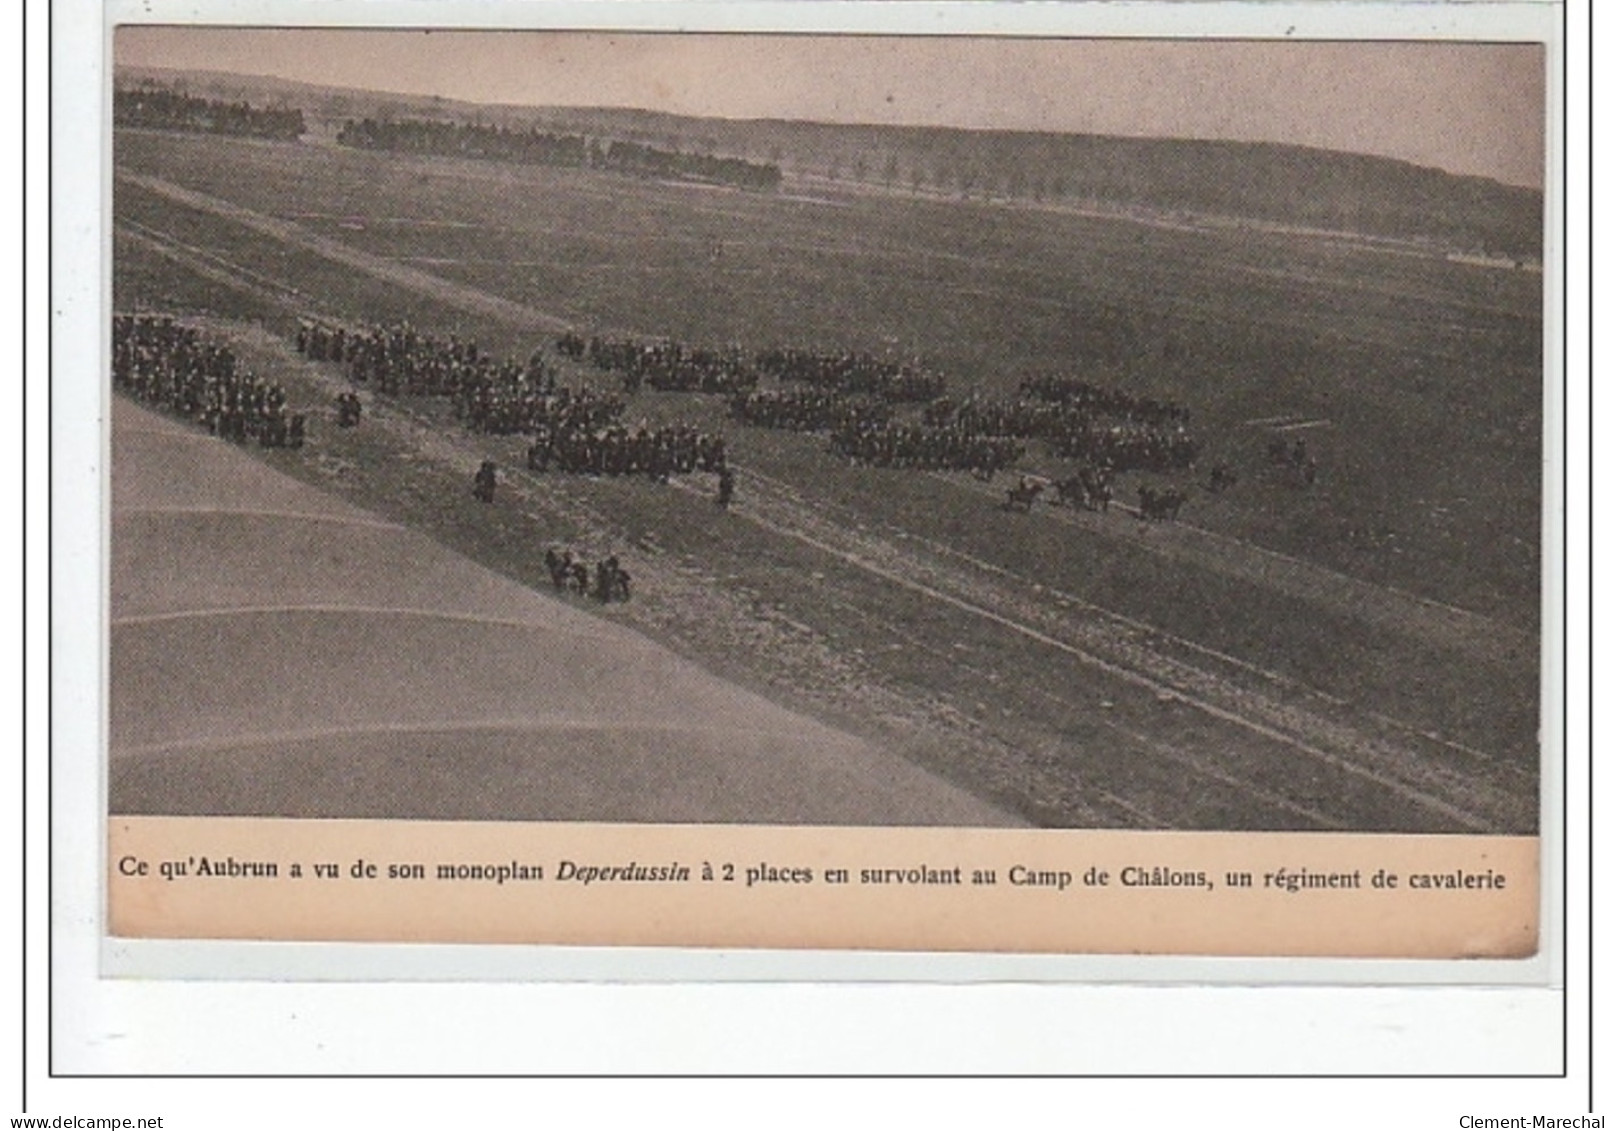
[1427, 372]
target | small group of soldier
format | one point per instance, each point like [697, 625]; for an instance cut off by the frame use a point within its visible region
[169, 365]
[349, 410]
[665, 366]
[808, 410]
[515, 406]
[1104, 400]
[576, 430]
[922, 448]
[1130, 447]
[1091, 425]
[853, 372]
[673, 366]
[569, 573]
[674, 449]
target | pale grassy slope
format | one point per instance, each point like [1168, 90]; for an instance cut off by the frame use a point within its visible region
[276, 651]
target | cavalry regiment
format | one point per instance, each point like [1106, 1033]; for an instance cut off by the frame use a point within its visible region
[875, 413]
[851, 397]
[574, 430]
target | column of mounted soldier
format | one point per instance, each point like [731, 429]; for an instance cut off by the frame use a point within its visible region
[874, 411]
[170, 366]
[852, 396]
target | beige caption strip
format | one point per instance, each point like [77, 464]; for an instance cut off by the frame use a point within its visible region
[1259, 894]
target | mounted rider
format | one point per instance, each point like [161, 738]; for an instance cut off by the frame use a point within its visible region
[486, 480]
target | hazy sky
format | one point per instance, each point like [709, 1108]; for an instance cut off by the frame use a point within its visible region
[1467, 108]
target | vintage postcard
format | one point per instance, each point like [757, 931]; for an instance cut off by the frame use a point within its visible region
[1047, 494]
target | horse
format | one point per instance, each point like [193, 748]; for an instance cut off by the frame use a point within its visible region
[1222, 478]
[1021, 496]
[1099, 493]
[272, 433]
[1297, 459]
[560, 566]
[1088, 487]
[1160, 506]
[1071, 490]
[349, 410]
[487, 478]
[611, 581]
[1096, 487]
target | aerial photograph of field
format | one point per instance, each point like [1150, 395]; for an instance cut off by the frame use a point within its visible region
[767, 430]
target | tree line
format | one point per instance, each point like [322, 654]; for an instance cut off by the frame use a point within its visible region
[536, 147]
[156, 108]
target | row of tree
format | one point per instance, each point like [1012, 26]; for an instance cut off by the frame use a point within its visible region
[154, 107]
[535, 147]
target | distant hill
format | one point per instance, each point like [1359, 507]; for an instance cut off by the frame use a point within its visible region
[1260, 181]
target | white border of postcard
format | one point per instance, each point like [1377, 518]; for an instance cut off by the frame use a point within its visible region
[1525, 989]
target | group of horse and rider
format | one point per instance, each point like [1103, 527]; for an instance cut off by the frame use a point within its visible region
[672, 449]
[1092, 487]
[1091, 490]
[570, 574]
[170, 366]
[923, 448]
[489, 396]
[573, 430]
[666, 366]
[854, 373]
[1295, 457]
[849, 395]
[669, 365]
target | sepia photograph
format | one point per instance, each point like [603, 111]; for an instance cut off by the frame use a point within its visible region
[826, 430]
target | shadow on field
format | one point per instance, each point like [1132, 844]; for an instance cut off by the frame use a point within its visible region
[276, 652]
